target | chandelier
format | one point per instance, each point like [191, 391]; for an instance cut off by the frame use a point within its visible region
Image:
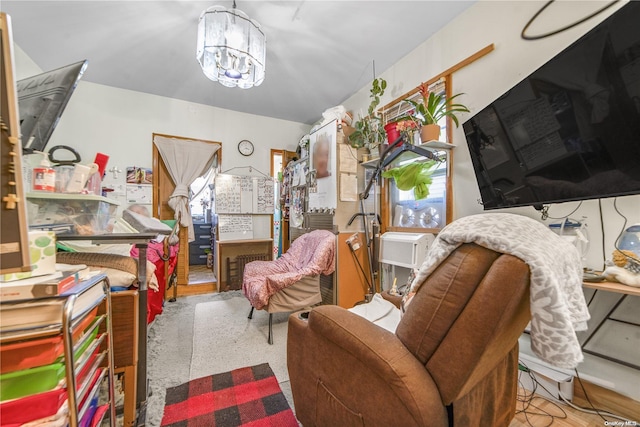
[231, 47]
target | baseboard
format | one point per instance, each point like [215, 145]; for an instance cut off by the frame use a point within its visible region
[605, 399]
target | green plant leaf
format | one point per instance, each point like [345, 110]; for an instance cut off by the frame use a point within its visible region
[416, 176]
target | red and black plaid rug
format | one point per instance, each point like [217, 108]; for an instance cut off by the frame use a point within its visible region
[243, 397]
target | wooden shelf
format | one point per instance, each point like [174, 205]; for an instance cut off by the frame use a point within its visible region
[613, 287]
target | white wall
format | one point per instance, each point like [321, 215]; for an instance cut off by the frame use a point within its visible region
[120, 123]
[500, 23]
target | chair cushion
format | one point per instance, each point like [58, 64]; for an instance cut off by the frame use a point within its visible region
[442, 298]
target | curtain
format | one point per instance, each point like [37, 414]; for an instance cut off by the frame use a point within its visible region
[185, 160]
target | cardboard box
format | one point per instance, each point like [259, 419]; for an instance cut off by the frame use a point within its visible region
[42, 251]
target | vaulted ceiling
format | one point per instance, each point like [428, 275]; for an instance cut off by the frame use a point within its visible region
[319, 53]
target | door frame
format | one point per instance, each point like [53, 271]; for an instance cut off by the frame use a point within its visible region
[161, 210]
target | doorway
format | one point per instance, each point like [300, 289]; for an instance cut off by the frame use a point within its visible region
[280, 159]
[163, 187]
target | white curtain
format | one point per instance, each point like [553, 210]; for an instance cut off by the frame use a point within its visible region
[185, 160]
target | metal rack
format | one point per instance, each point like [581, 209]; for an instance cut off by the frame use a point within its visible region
[69, 322]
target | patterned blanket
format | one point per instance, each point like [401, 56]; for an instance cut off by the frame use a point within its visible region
[309, 255]
[558, 307]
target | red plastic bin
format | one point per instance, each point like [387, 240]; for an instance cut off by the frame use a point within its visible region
[38, 352]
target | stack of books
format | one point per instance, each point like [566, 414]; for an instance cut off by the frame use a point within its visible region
[64, 279]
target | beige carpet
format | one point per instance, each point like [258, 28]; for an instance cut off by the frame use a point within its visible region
[245, 340]
[174, 357]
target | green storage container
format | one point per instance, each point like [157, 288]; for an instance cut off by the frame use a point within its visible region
[14, 385]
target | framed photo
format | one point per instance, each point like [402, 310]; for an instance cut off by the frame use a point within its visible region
[138, 175]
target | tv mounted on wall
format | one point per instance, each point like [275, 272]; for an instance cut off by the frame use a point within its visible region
[41, 101]
[571, 129]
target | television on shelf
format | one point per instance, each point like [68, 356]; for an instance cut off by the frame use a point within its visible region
[42, 100]
[570, 130]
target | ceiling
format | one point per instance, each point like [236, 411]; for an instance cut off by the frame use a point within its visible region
[319, 53]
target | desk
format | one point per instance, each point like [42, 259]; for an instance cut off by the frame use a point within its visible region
[625, 291]
[140, 240]
[613, 287]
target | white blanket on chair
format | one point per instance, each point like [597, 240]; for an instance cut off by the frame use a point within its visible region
[558, 307]
[380, 312]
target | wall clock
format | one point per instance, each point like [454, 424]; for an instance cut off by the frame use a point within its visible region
[245, 147]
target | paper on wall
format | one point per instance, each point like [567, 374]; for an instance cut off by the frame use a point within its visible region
[348, 158]
[140, 194]
[348, 188]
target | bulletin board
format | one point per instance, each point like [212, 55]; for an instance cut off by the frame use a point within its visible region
[243, 227]
[244, 205]
[237, 194]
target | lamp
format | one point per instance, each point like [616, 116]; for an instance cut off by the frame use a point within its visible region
[231, 47]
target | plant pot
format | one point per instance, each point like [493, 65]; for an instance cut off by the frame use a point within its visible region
[429, 133]
[392, 132]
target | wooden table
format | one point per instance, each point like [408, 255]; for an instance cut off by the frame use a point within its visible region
[613, 287]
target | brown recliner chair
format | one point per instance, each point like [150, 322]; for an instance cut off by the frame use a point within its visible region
[453, 359]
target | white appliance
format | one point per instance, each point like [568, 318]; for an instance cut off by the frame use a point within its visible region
[537, 375]
[404, 249]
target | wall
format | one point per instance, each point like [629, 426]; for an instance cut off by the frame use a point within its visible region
[500, 23]
[120, 123]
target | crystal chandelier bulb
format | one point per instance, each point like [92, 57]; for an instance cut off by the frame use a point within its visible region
[231, 48]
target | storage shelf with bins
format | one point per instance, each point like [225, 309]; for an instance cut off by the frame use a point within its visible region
[401, 212]
[58, 348]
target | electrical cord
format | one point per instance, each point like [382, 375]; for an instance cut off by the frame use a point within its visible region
[527, 399]
[529, 408]
[595, 411]
[567, 27]
[353, 254]
[564, 216]
[604, 257]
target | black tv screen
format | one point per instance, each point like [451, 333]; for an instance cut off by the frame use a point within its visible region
[41, 101]
[571, 129]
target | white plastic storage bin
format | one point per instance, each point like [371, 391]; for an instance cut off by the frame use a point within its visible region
[84, 214]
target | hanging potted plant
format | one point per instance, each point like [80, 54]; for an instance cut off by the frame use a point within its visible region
[432, 109]
[369, 131]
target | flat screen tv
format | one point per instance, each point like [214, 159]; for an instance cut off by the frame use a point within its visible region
[41, 101]
[571, 129]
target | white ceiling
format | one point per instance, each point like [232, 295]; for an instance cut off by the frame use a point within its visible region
[319, 53]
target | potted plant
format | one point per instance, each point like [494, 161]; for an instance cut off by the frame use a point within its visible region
[404, 126]
[369, 131]
[432, 108]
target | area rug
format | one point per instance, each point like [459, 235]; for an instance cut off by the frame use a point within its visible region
[225, 339]
[247, 396]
